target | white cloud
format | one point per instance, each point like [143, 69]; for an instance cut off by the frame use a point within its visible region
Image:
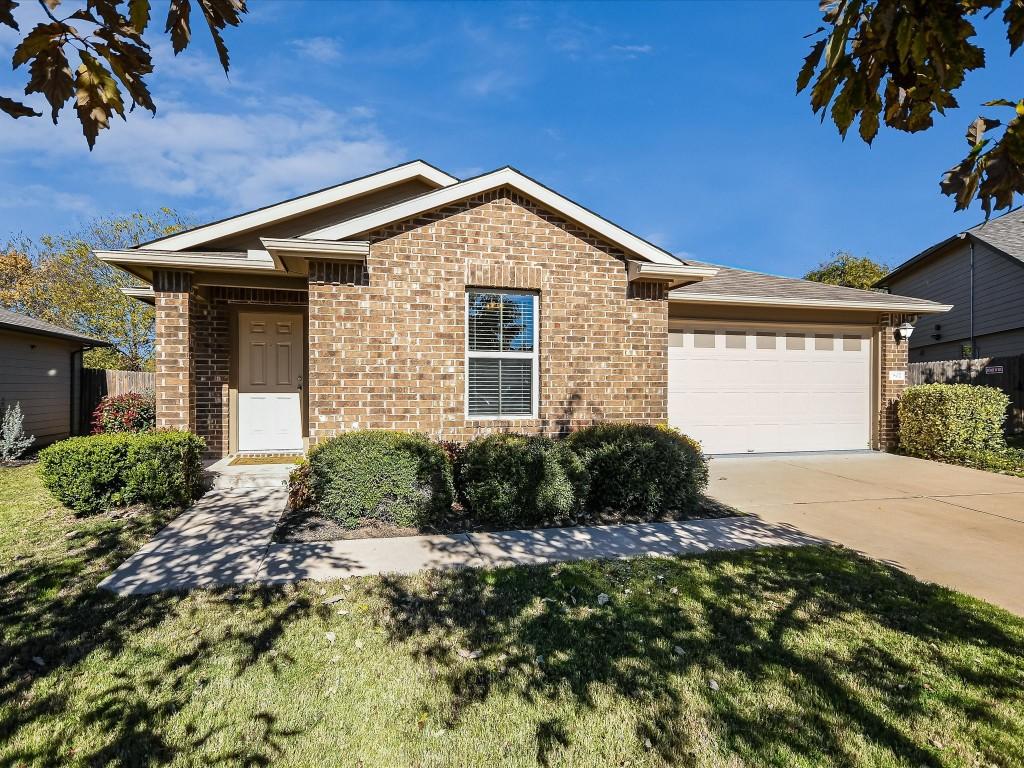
[491, 82]
[633, 51]
[322, 49]
[42, 196]
[249, 156]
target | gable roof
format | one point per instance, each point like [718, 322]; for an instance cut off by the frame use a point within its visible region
[286, 209]
[503, 177]
[740, 286]
[1004, 233]
[14, 321]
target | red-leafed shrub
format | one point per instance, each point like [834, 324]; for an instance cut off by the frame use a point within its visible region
[130, 412]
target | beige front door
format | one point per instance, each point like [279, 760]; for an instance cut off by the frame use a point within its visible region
[270, 358]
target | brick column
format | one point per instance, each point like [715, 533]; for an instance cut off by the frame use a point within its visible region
[340, 326]
[175, 382]
[893, 359]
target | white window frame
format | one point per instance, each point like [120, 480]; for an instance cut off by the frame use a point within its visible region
[533, 356]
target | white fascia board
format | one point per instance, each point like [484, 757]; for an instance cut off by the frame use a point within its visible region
[300, 247]
[678, 273]
[217, 262]
[500, 178]
[874, 306]
[143, 294]
[290, 208]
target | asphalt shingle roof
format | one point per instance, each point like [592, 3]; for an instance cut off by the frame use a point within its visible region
[14, 321]
[742, 283]
[1005, 233]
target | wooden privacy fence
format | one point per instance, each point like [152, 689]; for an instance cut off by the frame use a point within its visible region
[1005, 373]
[97, 383]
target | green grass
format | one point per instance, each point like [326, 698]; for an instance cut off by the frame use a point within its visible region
[820, 658]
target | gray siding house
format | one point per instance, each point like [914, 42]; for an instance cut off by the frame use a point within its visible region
[981, 273]
[39, 368]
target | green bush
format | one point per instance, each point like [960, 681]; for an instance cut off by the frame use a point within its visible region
[944, 420]
[511, 480]
[638, 471]
[1009, 461]
[402, 478]
[90, 474]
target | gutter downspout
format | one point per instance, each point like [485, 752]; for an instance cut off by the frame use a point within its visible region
[974, 349]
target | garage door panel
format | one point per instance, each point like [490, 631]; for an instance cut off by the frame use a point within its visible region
[804, 394]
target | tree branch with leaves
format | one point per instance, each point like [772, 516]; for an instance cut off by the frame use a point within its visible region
[59, 279]
[107, 39]
[900, 62]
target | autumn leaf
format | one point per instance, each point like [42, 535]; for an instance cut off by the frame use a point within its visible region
[16, 108]
[97, 97]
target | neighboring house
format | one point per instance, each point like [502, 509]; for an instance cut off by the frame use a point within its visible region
[981, 272]
[39, 368]
[409, 299]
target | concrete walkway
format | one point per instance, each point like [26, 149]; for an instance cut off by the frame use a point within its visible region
[226, 539]
[963, 528]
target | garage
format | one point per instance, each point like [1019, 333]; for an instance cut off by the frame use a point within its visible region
[763, 388]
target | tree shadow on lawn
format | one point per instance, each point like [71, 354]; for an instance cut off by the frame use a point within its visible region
[817, 654]
[56, 628]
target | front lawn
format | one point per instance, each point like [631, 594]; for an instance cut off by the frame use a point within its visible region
[806, 657]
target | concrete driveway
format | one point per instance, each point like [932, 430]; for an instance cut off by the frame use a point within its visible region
[963, 528]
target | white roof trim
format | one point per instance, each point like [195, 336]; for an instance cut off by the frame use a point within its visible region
[311, 202]
[678, 274]
[500, 178]
[300, 247]
[253, 261]
[143, 294]
[876, 306]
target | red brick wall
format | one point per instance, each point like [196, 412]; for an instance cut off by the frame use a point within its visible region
[194, 349]
[387, 342]
[893, 358]
[174, 383]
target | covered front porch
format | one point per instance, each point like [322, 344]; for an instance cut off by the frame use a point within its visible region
[232, 341]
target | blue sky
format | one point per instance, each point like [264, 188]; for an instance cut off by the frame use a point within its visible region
[677, 121]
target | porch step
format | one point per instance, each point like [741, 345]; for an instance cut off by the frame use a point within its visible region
[222, 476]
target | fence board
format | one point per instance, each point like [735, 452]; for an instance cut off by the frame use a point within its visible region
[1005, 373]
[97, 383]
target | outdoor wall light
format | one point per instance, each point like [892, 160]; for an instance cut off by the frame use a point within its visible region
[904, 332]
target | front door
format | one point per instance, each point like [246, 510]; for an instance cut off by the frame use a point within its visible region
[270, 357]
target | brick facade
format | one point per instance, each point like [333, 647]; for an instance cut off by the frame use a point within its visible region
[387, 341]
[174, 386]
[893, 357]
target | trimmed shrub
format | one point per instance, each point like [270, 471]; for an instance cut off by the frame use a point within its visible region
[130, 412]
[638, 471]
[403, 478]
[97, 472]
[300, 491]
[1008, 461]
[946, 420]
[511, 480]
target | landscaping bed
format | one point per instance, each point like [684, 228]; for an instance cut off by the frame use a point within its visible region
[307, 525]
[801, 657]
[377, 483]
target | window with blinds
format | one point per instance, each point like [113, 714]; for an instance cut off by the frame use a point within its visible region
[501, 353]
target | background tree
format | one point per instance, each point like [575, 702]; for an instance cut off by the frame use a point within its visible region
[901, 61]
[106, 37]
[843, 268]
[59, 280]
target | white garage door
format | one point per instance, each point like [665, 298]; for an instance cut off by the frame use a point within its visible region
[758, 389]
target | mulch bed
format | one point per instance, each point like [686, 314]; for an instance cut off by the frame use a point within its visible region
[305, 525]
